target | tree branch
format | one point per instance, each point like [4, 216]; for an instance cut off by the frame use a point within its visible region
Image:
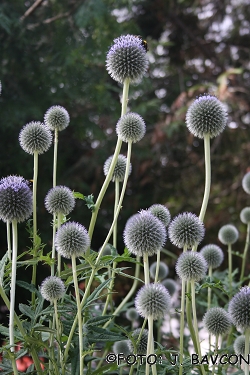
[31, 9]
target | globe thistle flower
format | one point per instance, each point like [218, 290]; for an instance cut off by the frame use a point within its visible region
[59, 200]
[239, 345]
[163, 270]
[56, 117]
[161, 212]
[141, 346]
[131, 128]
[72, 239]
[35, 137]
[186, 230]
[15, 199]
[126, 59]
[132, 314]
[206, 115]
[52, 288]
[144, 233]
[170, 285]
[228, 234]
[239, 308]
[191, 266]
[246, 182]
[121, 347]
[245, 215]
[120, 167]
[213, 255]
[108, 249]
[153, 300]
[217, 321]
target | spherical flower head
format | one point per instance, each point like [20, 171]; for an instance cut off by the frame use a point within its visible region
[186, 230]
[59, 200]
[35, 137]
[72, 239]
[239, 345]
[217, 321]
[163, 270]
[228, 234]
[191, 266]
[213, 255]
[245, 215]
[170, 285]
[132, 314]
[206, 115]
[15, 199]
[52, 288]
[120, 168]
[246, 182]
[153, 300]
[144, 233]
[131, 128]
[141, 346]
[239, 308]
[121, 347]
[127, 59]
[161, 212]
[56, 117]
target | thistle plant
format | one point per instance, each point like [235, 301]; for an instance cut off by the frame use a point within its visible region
[15, 207]
[239, 310]
[228, 235]
[76, 329]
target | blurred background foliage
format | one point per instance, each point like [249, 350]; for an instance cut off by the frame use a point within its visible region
[53, 53]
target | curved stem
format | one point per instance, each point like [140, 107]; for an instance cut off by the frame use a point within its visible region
[207, 176]
[196, 324]
[79, 312]
[245, 253]
[183, 285]
[158, 258]
[130, 293]
[112, 166]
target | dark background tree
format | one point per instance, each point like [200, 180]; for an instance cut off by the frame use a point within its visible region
[53, 52]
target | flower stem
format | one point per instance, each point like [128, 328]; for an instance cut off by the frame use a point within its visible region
[79, 312]
[245, 253]
[195, 323]
[112, 165]
[207, 176]
[230, 280]
[158, 258]
[12, 293]
[55, 156]
[8, 238]
[246, 354]
[183, 285]
[35, 242]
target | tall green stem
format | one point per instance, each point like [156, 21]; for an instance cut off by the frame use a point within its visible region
[55, 156]
[182, 321]
[112, 165]
[246, 354]
[195, 323]
[207, 176]
[79, 312]
[35, 242]
[245, 253]
[12, 293]
[158, 258]
[230, 279]
[209, 301]
[8, 238]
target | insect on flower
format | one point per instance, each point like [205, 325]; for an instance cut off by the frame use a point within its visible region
[144, 43]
